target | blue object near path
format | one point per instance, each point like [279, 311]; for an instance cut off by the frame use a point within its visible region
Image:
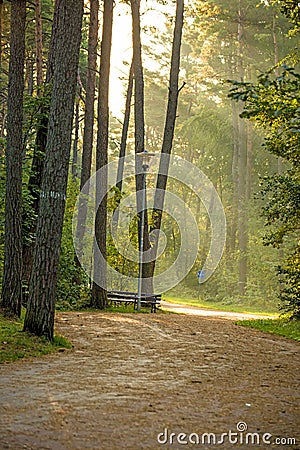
[201, 274]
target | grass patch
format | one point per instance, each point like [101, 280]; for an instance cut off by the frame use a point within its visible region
[16, 344]
[126, 309]
[239, 308]
[282, 327]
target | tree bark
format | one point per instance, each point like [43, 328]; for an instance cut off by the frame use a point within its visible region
[1, 30]
[12, 276]
[139, 123]
[42, 287]
[39, 46]
[99, 292]
[37, 166]
[168, 130]
[88, 133]
[74, 167]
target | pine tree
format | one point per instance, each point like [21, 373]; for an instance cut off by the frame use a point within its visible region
[42, 288]
[12, 277]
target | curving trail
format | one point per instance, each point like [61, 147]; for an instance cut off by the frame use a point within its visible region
[205, 312]
[131, 377]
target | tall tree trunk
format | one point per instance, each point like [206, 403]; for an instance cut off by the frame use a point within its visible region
[38, 46]
[1, 30]
[37, 166]
[125, 129]
[249, 160]
[123, 144]
[88, 133]
[42, 287]
[29, 76]
[12, 276]
[28, 246]
[75, 142]
[74, 167]
[235, 177]
[139, 123]
[168, 130]
[99, 292]
[242, 173]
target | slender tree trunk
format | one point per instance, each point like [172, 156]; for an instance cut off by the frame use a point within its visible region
[37, 166]
[75, 142]
[12, 276]
[168, 130]
[42, 287]
[125, 129]
[28, 247]
[139, 122]
[280, 159]
[29, 76]
[2, 110]
[123, 144]
[235, 177]
[99, 292]
[242, 175]
[249, 160]
[1, 31]
[74, 168]
[39, 46]
[88, 133]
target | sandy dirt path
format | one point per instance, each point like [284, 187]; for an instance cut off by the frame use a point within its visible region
[133, 379]
[205, 312]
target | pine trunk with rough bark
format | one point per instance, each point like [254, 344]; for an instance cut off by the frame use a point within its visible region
[88, 133]
[1, 28]
[12, 276]
[37, 166]
[139, 135]
[99, 290]
[39, 45]
[40, 312]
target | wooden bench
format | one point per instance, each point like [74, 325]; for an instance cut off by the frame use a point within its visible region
[118, 297]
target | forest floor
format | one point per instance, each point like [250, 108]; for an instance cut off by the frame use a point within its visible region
[131, 380]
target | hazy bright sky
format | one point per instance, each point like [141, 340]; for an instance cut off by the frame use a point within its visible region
[122, 47]
[121, 51]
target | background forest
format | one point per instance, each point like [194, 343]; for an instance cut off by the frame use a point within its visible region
[237, 120]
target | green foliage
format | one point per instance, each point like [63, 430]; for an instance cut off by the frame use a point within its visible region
[29, 216]
[291, 9]
[72, 287]
[281, 210]
[290, 276]
[281, 327]
[16, 344]
[274, 104]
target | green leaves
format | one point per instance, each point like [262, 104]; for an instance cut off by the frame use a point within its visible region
[274, 104]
